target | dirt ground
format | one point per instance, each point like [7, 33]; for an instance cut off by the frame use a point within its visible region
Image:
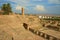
[11, 28]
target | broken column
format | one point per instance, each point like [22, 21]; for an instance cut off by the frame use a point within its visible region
[23, 11]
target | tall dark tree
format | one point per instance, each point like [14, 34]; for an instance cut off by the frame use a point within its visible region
[6, 8]
[9, 8]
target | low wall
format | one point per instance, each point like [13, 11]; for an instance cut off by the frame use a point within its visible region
[41, 34]
[45, 36]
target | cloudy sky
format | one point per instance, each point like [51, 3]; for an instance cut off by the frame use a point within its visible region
[34, 6]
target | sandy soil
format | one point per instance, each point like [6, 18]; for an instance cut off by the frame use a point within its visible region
[11, 27]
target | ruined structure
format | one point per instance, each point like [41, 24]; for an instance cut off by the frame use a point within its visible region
[23, 11]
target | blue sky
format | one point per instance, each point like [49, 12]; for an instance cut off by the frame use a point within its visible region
[34, 6]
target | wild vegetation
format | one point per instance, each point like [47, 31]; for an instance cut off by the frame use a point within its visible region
[6, 8]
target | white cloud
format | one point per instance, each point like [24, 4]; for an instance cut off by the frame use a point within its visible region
[18, 7]
[39, 8]
[54, 1]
